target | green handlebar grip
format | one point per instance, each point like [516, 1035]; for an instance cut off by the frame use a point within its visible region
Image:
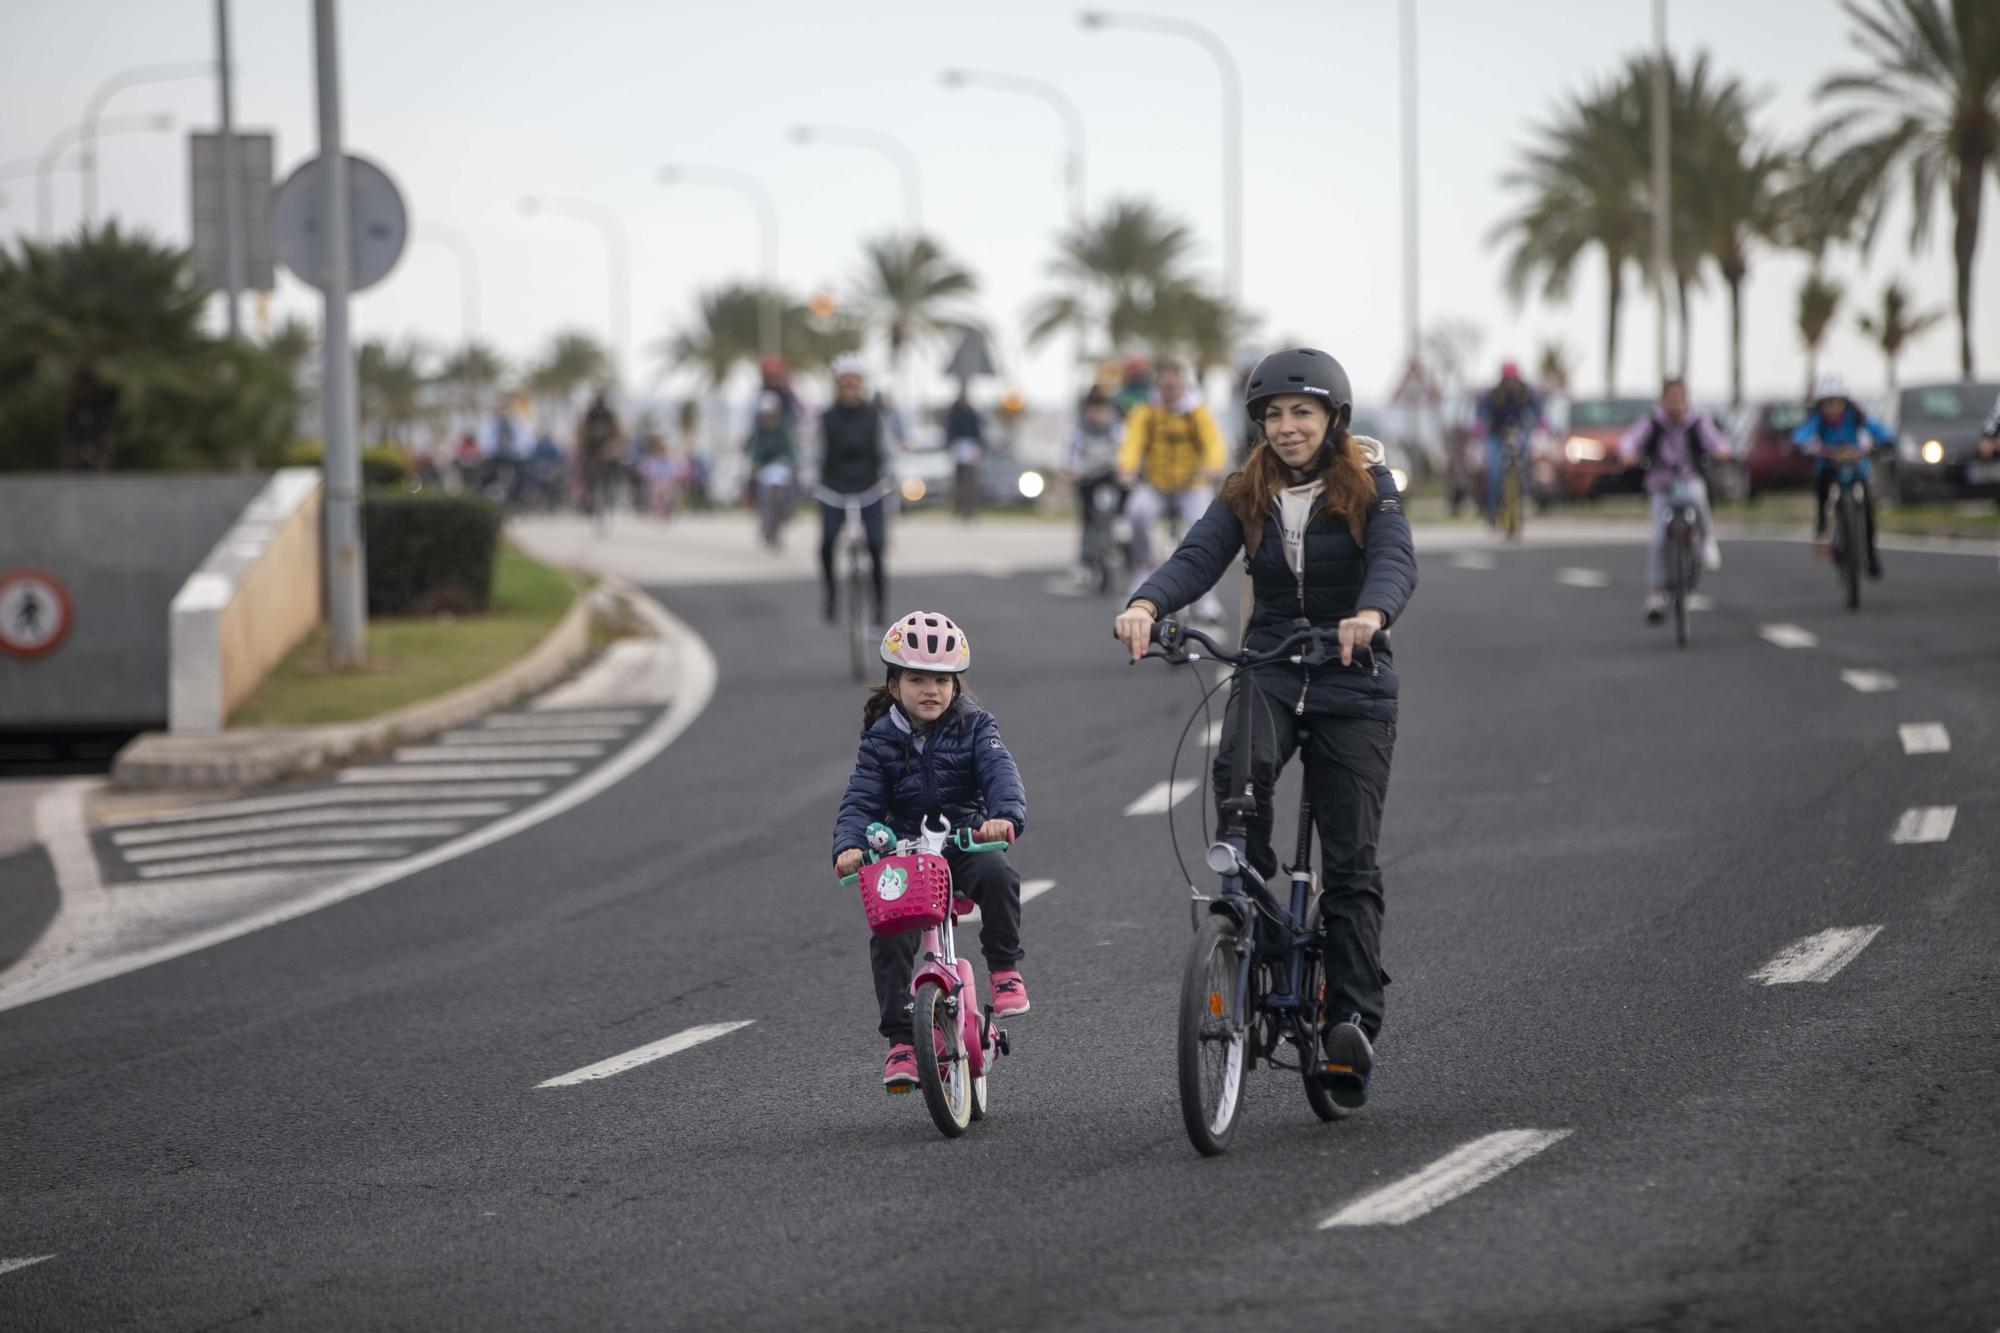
[986, 846]
[850, 879]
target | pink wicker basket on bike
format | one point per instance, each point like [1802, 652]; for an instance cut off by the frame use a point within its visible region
[902, 893]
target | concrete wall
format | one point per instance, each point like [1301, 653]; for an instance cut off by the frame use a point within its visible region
[122, 544]
[251, 601]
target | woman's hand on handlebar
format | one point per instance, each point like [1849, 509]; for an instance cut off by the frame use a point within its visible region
[1134, 629]
[1356, 631]
[848, 862]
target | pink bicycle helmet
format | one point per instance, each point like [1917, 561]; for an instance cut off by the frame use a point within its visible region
[927, 641]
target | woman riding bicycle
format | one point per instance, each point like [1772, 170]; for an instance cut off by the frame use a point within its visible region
[853, 455]
[1321, 525]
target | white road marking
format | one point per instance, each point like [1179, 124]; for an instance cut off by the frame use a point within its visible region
[339, 814]
[519, 736]
[288, 838]
[308, 800]
[454, 773]
[1816, 957]
[15, 1265]
[1159, 798]
[1583, 578]
[1458, 1172]
[1214, 735]
[1472, 560]
[486, 754]
[557, 718]
[1869, 682]
[1700, 601]
[1925, 823]
[1924, 738]
[1031, 889]
[284, 856]
[632, 1059]
[1789, 636]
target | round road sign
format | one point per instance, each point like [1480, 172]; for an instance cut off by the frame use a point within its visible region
[34, 613]
[378, 227]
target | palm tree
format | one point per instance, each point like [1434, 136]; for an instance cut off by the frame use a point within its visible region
[389, 382]
[1819, 299]
[474, 371]
[1927, 109]
[910, 289]
[1580, 179]
[1896, 325]
[1555, 365]
[1183, 319]
[1110, 270]
[727, 333]
[573, 360]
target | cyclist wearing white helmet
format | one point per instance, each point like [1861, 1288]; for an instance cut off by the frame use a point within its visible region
[1837, 422]
[853, 456]
[928, 750]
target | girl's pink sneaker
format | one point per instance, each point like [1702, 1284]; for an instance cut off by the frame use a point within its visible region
[899, 1071]
[1010, 994]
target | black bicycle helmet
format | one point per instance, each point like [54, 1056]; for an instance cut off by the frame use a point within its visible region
[1300, 370]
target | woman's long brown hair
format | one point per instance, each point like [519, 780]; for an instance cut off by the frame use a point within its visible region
[1348, 489]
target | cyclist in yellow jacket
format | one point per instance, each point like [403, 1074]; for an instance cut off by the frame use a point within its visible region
[1173, 458]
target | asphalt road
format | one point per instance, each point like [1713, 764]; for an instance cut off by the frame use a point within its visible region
[1593, 841]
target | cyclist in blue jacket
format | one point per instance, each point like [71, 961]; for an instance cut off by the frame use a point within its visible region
[1837, 423]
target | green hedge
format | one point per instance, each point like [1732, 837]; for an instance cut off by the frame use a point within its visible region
[429, 553]
[383, 466]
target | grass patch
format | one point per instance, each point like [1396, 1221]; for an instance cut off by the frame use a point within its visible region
[414, 658]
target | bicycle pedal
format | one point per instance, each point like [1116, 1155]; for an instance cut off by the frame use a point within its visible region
[902, 1090]
[1336, 1069]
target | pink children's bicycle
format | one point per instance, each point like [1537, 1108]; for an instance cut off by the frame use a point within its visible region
[907, 886]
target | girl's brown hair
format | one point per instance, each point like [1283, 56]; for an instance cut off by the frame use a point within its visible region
[1348, 489]
[876, 706]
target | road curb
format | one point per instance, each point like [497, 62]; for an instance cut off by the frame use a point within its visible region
[252, 758]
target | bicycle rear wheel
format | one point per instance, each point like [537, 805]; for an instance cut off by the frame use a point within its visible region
[1213, 1037]
[943, 1072]
[1510, 503]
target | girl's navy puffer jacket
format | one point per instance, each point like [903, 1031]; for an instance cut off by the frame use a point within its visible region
[963, 772]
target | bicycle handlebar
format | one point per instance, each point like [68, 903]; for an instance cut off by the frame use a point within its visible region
[961, 839]
[881, 490]
[1169, 636]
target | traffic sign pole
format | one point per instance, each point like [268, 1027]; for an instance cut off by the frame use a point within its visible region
[346, 561]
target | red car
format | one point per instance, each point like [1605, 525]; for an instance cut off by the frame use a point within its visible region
[1763, 437]
[1590, 465]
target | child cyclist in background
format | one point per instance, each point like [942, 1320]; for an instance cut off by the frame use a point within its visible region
[928, 750]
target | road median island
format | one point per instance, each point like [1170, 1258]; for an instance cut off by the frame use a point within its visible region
[426, 674]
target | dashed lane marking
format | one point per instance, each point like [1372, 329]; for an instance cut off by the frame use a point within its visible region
[632, 1059]
[1700, 601]
[1788, 636]
[1924, 738]
[288, 838]
[1031, 889]
[532, 736]
[15, 1265]
[1458, 1172]
[283, 856]
[1160, 797]
[325, 796]
[1583, 578]
[1925, 823]
[1214, 735]
[338, 814]
[486, 754]
[1472, 560]
[1816, 957]
[454, 772]
[1869, 682]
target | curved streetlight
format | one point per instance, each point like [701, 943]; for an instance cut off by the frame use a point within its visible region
[1051, 95]
[1232, 122]
[682, 173]
[886, 144]
[462, 249]
[111, 87]
[70, 135]
[617, 257]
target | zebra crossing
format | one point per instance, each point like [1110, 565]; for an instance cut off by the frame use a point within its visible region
[421, 795]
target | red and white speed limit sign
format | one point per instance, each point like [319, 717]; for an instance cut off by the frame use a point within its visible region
[34, 613]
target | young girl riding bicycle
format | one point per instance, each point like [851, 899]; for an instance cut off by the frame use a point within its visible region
[927, 750]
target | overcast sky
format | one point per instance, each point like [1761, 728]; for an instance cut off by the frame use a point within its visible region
[471, 103]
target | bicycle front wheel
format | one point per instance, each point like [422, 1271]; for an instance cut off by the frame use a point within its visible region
[1318, 1095]
[1849, 550]
[943, 1072]
[857, 622]
[1683, 579]
[1213, 1037]
[1510, 503]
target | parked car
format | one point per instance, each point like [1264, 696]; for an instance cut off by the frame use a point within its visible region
[1762, 437]
[926, 476]
[1937, 442]
[1589, 465]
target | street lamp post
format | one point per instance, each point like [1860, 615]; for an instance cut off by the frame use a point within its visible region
[1054, 97]
[617, 259]
[73, 134]
[1662, 185]
[461, 247]
[94, 109]
[677, 173]
[1232, 123]
[346, 552]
